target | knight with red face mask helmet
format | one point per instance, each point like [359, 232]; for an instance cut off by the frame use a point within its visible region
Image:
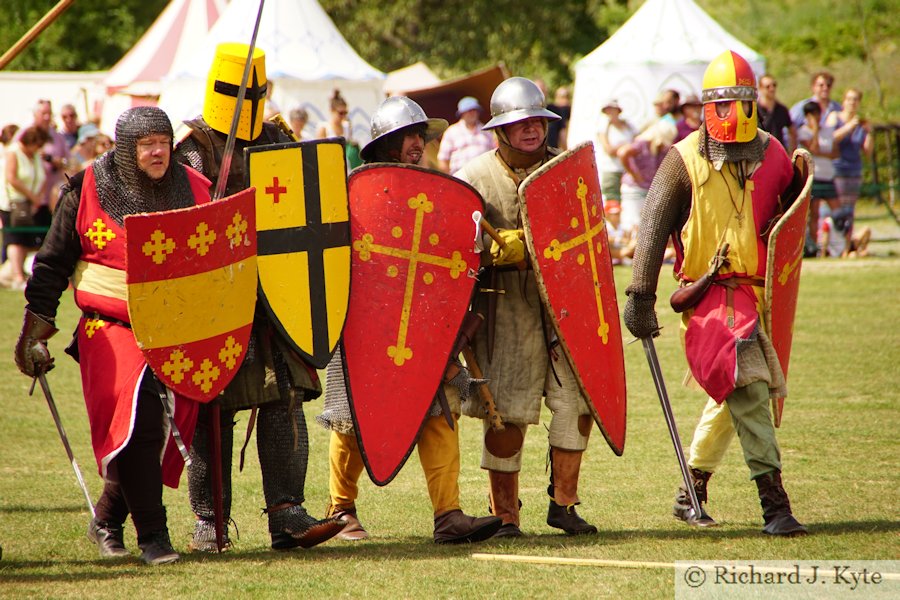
[723, 184]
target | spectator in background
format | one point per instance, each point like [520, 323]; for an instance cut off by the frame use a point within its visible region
[7, 135]
[837, 237]
[819, 140]
[773, 115]
[85, 150]
[691, 111]
[55, 154]
[338, 125]
[821, 94]
[621, 241]
[666, 105]
[70, 125]
[298, 118]
[25, 178]
[851, 133]
[640, 159]
[557, 131]
[613, 133]
[465, 139]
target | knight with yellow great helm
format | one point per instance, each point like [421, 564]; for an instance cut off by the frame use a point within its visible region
[273, 378]
[715, 194]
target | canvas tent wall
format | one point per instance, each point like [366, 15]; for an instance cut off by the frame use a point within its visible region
[666, 44]
[306, 58]
[176, 34]
[20, 91]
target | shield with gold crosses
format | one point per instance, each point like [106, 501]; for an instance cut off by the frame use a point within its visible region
[783, 263]
[304, 241]
[191, 276]
[565, 232]
[412, 278]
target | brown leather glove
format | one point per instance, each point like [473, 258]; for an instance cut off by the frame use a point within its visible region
[32, 355]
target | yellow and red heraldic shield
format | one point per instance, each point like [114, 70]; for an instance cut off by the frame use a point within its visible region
[783, 264]
[412, 279]
[565, 231]
[192, 283]
[304, 241]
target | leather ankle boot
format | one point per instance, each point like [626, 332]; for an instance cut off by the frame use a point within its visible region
[777, 507]
[563, 490]
[353, 530]
[683, 509]
[110, 538]
[456, 527]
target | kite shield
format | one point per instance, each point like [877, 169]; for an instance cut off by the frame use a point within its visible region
[413, 274]
[566, 235]
[191, 277]
[304, 241]
[784, 260]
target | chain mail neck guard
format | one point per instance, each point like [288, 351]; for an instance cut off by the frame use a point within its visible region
[123, 188]
[714, 150]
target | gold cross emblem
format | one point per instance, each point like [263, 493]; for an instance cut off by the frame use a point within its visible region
[206, 375]
[556, 249]
[158, 247]
[235, 232]
[92, 326]
[177, 365]
[366, 246]
[230, 352]
[202, 239]
[99, 234]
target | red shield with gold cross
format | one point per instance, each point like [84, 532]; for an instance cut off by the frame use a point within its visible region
[304, 241]
[566, 235]
[191, 277]
[783, 264]
[412, 278]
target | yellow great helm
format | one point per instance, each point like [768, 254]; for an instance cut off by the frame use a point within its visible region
[222, 87]
[729, 99]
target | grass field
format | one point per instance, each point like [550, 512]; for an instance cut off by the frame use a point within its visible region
[839, 443]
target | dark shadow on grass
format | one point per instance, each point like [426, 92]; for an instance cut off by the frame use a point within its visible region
[28, 508]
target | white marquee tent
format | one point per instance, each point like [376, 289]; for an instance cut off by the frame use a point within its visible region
[176, 34]
[306, 58]
[666, 44]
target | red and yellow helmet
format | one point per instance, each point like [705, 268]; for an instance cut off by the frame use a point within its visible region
[729, 99]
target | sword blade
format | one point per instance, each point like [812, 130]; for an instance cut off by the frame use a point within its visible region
[42, 379]
[225, 167]
[656, 373]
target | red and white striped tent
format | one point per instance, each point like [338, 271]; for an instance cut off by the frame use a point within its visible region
[178, 32]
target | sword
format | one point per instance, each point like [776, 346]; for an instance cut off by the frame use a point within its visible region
[225, 167]
[656, 372]
[42, 378]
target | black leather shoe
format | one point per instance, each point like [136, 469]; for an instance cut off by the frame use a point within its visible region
[108, 538]
[565, 518]
[156, 548]
[508, 530]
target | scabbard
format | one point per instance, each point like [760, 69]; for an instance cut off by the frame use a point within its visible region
[491, 319]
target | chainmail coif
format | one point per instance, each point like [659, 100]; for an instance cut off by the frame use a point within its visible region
[125, 189]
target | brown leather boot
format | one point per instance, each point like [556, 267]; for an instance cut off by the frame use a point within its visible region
[456, 527]
[777, 507]
[505, 502]
[683, 509]
[563, 490]
[353, 530]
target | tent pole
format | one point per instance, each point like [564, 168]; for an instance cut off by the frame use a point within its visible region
[35, 31]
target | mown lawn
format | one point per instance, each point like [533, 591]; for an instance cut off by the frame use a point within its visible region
[839, 442]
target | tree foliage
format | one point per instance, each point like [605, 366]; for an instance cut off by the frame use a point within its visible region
[537, 39]
[91, 35]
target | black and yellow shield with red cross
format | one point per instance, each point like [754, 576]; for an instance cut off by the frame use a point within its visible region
[412, 278]
[191, 276]
[565, 232]
[304, 241]
[783, 263]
